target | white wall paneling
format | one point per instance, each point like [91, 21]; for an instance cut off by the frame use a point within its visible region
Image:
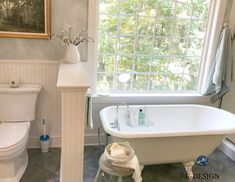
[44, 73]
[73, 114]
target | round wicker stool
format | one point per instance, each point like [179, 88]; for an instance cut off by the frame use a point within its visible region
[106, 167]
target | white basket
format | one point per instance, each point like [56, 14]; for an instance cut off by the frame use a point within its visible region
[129, 152]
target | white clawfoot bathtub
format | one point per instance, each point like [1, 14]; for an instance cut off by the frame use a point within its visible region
[177, 133]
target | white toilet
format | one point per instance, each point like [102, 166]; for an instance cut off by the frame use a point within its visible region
[17, 109]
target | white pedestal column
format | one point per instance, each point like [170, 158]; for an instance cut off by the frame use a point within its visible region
[73, 109]
[73, 85]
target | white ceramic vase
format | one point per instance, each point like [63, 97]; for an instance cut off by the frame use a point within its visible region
[72, 54]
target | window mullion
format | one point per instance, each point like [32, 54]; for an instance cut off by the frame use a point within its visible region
[153, 44]
[115, 73]
[135, 45]
[170, 56]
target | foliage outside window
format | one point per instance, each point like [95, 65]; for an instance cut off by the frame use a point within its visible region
[150, 45]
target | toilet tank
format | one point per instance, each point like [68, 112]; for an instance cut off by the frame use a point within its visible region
[18, 104]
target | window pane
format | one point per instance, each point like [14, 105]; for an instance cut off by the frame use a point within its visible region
[197, 29]
[151, 45]
[108, 24]
[147, 7]
[108, 6]
[178, 46]
[159, 64]
[125, 63]
[142, 64]
[193, 65]
[106, 63]
[124, 82]
[198, 9]
[189, 82]
[183, 10]
[128, 7]
[174, 82]
[104, 82]
[107, 44]
[165, 8]
[145, 45]
[163, 27]
[177, 65]
[157, 82]
[127, 24]
[146, 25]
[181, 27]
[162, 46]
[126, 45]
[140, 82]
[195, 47]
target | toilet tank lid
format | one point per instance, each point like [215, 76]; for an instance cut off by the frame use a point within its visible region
[22, 89]
[12, 133]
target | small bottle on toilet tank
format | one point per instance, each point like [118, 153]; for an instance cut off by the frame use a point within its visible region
[14, 82]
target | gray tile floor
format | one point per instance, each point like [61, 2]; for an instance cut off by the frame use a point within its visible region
[45, 168]
[42, 167]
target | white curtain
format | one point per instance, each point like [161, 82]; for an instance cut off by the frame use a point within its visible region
[217, 55]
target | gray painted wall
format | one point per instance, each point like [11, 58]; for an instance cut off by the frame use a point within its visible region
[229, 99]
[64, 13]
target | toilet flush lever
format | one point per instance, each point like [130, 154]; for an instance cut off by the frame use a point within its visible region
[14, 84]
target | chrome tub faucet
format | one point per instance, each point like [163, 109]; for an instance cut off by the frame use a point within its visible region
[115, 124]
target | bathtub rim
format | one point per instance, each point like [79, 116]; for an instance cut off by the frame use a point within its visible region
[178, 133]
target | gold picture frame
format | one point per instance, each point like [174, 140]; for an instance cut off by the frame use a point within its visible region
[17, 22]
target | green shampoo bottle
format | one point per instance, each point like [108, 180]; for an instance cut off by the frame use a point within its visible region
[141, 117]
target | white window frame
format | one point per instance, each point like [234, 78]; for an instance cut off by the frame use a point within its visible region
[216, 21]
[216, 16]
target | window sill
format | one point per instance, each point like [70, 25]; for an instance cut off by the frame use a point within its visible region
[153, 98]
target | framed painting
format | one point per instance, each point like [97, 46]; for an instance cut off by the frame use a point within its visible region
[25, 19]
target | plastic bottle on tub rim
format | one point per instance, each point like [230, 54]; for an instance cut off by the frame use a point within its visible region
[141, 117]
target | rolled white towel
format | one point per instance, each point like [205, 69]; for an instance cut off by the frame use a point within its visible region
[132, 164]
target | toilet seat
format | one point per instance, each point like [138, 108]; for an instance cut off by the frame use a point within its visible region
[12, 134]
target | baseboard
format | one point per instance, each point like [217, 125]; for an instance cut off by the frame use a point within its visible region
[228, 148]
[90, 140]
[55, 141]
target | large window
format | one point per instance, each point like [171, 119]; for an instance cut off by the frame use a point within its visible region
[150, 45]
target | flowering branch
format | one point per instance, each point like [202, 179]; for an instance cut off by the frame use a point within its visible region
[76, 40]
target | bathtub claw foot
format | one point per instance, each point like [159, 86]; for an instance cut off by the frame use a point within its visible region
[189, 169]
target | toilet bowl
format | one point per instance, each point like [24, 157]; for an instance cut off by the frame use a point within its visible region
[14, 129]
[13, 154]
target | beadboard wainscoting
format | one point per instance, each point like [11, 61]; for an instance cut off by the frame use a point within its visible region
[48, 106]
[45, 73]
